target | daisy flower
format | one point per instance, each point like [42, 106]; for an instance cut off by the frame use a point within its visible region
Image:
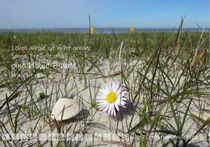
[112, 97]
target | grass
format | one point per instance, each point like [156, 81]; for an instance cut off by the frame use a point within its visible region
[166, 74]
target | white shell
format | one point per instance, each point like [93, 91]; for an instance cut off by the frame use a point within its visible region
[64, 109]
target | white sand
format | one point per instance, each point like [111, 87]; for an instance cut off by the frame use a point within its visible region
[89, 121]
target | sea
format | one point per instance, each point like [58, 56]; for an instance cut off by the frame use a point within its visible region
[105, 30]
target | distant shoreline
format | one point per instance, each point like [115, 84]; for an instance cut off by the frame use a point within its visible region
[103, 30]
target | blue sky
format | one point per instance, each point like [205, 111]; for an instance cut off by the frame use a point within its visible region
[104, 13]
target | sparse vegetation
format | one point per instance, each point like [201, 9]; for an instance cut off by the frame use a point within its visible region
[166, 74]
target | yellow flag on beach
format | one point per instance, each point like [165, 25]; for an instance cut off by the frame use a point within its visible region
[92, 30]
[132, 29]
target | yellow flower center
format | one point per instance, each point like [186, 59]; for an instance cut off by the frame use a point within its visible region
[111, 97]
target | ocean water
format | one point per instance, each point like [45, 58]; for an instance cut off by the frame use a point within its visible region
[105, 30]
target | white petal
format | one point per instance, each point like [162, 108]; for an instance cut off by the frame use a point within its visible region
[116, 106]
[120, 103]
[123, 99]
[110, 109]
[101, 106]
[114, 113]
[115, 86]
[110, 86]
[119, 100]
[106, 109]
[113, 109]
[118, 89]
[100, 100]
[103, 91]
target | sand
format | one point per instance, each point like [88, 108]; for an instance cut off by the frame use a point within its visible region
[91, 126]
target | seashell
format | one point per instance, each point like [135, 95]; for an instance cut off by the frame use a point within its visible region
[64, 109]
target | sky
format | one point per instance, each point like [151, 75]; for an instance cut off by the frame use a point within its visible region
[104, 13]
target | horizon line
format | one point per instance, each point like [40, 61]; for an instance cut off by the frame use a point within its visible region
[38, 28]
